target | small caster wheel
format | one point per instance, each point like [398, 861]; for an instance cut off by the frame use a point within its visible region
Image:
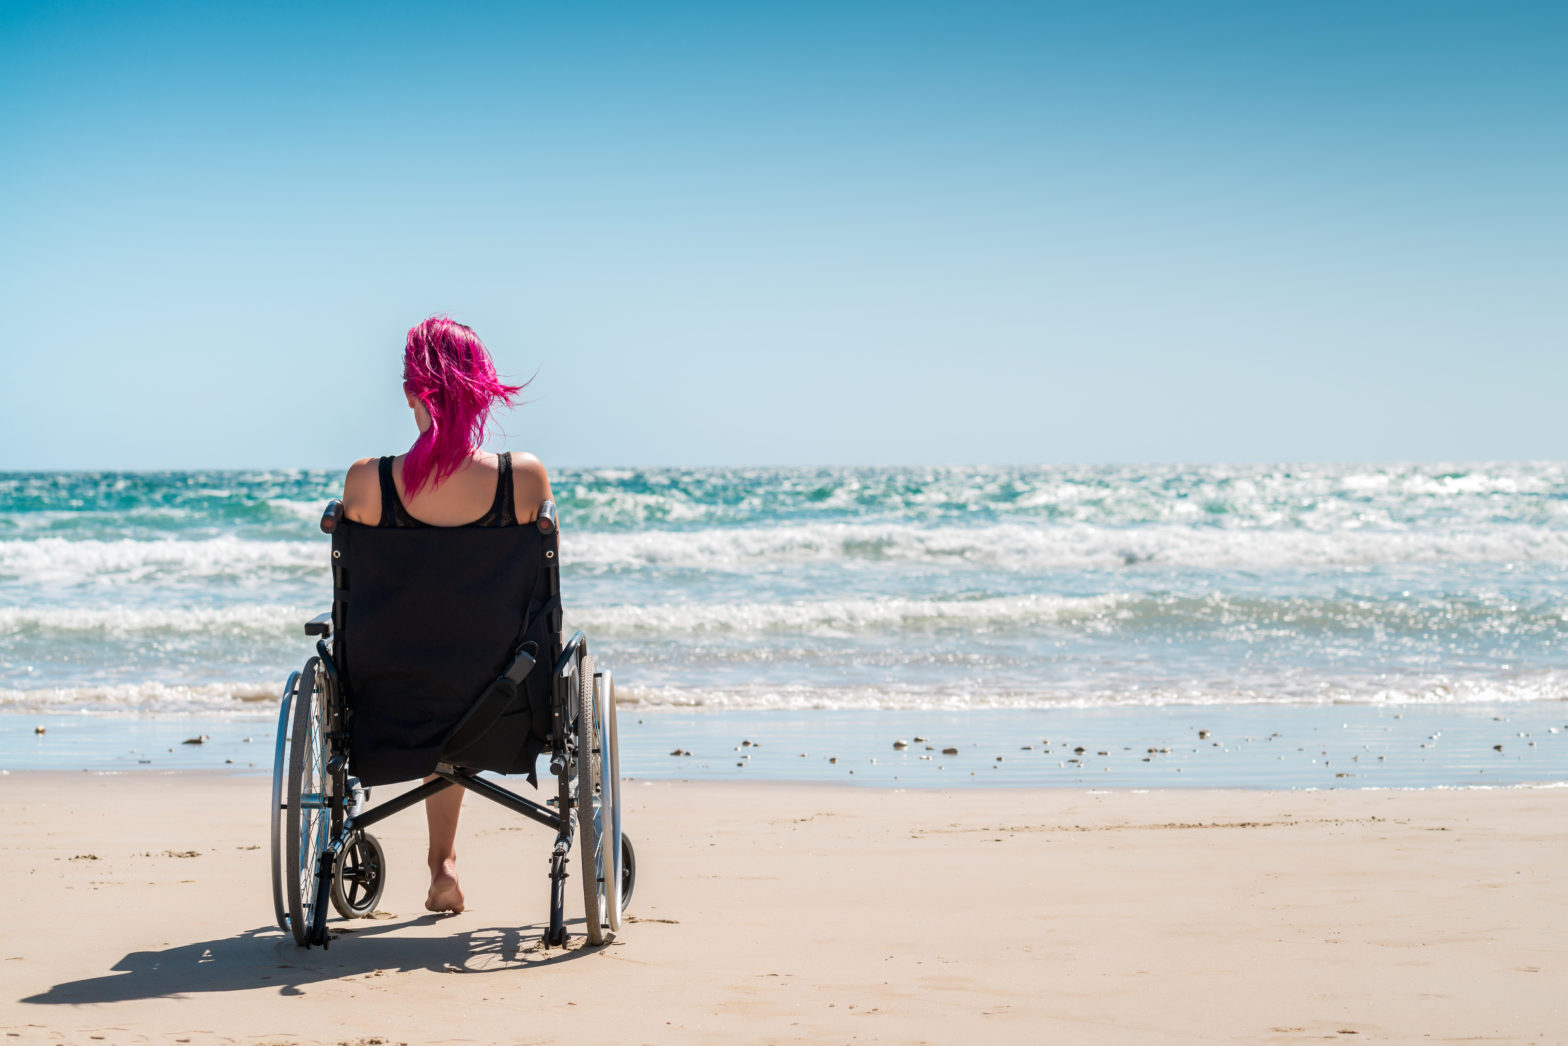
[359, 877]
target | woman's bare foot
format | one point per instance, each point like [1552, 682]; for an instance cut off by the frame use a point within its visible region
[445, 894]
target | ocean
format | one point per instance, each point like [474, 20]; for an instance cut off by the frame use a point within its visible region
[846, 593]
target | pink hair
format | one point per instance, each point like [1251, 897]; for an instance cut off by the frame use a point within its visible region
[447, 368]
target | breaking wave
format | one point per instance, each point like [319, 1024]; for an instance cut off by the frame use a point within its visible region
[1060, 547]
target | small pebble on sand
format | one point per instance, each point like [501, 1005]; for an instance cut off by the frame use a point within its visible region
[832, 758]
[949, 751]
[1079, 750]
[920, 740]
[900, 745]
[1203, 735]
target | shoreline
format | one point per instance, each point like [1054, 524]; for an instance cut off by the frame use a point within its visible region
[518, 784]
[1249, 747]
[784, 912]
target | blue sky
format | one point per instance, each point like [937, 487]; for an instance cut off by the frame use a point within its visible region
[796, 233]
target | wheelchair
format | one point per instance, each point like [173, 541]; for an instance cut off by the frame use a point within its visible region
[441, 659]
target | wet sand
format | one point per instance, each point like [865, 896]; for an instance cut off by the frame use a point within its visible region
[812, 913]
[1263, 746]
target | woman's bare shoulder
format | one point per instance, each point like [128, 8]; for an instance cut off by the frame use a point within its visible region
[530, 485]
[362, 491]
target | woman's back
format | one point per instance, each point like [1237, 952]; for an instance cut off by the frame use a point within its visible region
[486, 490]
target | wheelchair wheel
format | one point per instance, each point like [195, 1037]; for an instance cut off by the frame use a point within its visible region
[307, 818]
[590, 802]
[610, 764]
[359, 877]
[279, 768]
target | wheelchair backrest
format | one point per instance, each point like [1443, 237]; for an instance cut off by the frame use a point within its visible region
[424, 619]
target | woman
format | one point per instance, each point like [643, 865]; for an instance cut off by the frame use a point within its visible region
[445, 480]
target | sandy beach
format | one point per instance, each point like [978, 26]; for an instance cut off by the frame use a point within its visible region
[799, 913]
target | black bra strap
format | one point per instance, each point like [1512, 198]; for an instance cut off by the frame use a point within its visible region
[389, 500]
[503, 511]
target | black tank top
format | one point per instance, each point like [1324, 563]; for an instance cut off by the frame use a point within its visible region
[503, 511]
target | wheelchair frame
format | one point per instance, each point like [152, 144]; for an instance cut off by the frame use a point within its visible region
[321, 849]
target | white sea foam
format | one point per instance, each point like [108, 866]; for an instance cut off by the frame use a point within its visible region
[1008, 546]
[226, 621]
[834, 615]
[1130, 615]
[55, 561]
[253, 699]
[1544, 687]
[1061, 546]
[308, 510]
[239, 699]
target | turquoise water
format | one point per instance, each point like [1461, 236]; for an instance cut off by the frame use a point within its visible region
[911, 588]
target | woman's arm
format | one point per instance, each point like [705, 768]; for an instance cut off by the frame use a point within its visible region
[530, 486]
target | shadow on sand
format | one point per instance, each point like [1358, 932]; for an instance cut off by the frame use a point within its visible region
[266, 958]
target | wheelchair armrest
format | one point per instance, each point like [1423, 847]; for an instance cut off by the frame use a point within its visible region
[320, 625]
[564, 663]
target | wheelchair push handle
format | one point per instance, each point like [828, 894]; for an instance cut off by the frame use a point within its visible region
[332, 515]
[546, 522]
